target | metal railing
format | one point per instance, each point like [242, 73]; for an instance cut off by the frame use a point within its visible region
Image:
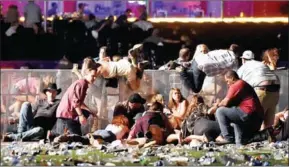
[102, 98]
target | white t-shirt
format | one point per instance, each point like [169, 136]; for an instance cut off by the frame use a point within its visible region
[114, 129]
[255, 72]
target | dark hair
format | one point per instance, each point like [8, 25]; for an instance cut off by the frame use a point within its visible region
[80, 5]
[13, 7]
[235, 48]
[54, 4]
[128, 10]
[232, 74]
[119, 109]
[91, 16]
[156, 106]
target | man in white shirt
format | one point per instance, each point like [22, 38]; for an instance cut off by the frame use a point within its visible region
[32, 14]
[210, 64]
[265, 82]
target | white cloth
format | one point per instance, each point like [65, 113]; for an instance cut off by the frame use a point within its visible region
[119, 68]
[11, 31]
[254, 72]
[33, 14]
[216, 62]
[114, 129]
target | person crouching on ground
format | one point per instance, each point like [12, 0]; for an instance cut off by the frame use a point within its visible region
[240, 109]
[72, 112]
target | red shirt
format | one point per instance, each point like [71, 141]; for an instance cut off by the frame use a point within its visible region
[241, 94]
[72, 98]
[142, 124]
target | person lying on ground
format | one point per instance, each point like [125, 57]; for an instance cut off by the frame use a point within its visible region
[116, 130]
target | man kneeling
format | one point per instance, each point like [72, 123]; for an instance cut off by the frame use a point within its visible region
[241, 109]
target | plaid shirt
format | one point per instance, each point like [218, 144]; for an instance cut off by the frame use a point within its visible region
[216, 62]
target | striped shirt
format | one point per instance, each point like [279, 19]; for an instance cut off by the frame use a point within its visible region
[216, 62]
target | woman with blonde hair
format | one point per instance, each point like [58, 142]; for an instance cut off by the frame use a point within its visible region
[270, 58]
[178, 106]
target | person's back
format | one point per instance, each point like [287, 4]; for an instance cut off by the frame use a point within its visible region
[32, 13]
[254, 72]
[216, 61]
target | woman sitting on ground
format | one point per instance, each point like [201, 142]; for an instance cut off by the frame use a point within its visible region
[178, 106]
[199, 125]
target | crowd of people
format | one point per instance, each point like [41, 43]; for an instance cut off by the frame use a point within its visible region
[245, 114]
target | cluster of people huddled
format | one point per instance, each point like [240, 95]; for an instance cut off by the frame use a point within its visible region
[245, 114]
[242, 114]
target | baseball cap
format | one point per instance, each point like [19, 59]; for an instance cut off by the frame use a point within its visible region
[248, 54]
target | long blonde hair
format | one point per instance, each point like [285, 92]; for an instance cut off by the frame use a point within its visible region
[172, 103]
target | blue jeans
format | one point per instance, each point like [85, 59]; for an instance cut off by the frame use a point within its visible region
[26, 131]
[193, 77]
[236, 124]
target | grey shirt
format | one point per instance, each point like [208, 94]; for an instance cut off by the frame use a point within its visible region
[255, 72]
[32, 13]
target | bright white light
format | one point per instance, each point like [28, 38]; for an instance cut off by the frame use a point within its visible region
[138, 2]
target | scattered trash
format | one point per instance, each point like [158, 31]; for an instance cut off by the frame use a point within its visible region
[109, 164]
[159, 163]
[19, 154]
